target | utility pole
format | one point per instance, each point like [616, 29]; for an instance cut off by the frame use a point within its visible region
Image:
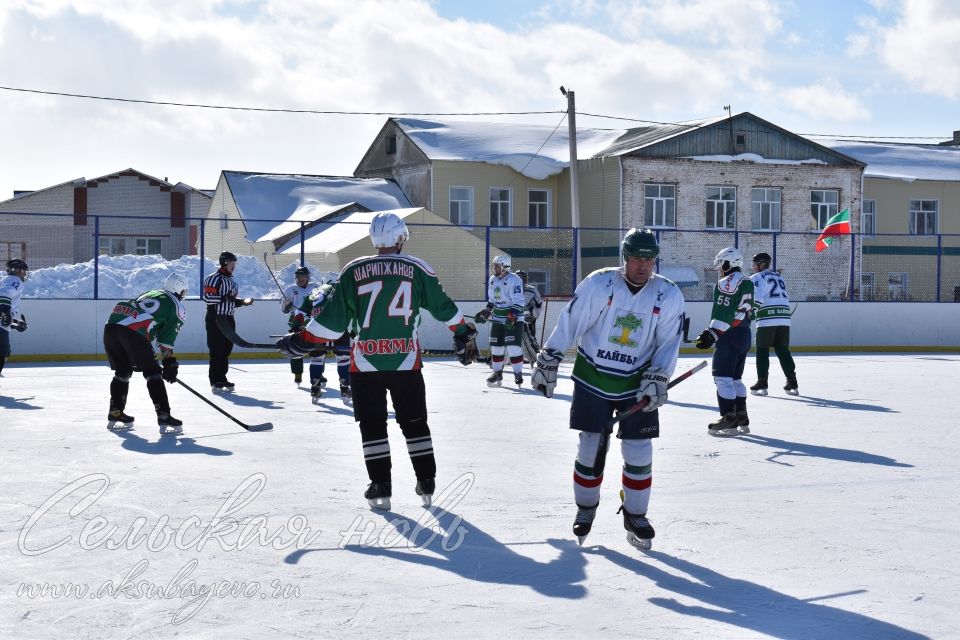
[574, 180]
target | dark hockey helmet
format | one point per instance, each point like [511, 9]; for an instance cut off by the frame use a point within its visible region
[762, 258]
[15, 265]
[639, 243]
[226, 257]
[302, 271]
[522, 274]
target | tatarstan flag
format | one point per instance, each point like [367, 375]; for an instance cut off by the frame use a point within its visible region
[838, 225]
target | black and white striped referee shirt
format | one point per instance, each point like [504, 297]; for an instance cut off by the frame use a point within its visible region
[220, 292]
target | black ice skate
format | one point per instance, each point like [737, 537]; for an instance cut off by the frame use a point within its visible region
[117, 420]
[169, 425]
[298, 378]
[791, 386]
[346, 394]
[640, 532]
[425, 489]
[727, 425]
[224, 386]
[495, 379]
[760, 388]
[518, 379]
[378, 495]
[743, 421]
[322, 380]
[584, 522]
[316, 392]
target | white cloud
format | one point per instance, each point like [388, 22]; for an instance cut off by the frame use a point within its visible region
[826, 102]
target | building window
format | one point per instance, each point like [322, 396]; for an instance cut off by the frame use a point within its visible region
[461, 205]
[539, 278]
[499, 207]
[897, 285]
[224, 223]
[11, 250]
[148, 247]
[869, 226]
[823, 206]
[659, 205]
[391, 145]
[538, 208]
[867, 283]
[765, 209]
[923, 217]
[110, 246]
[721, 207]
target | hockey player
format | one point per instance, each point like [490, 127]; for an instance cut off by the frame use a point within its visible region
[312, 306]
[729, 331]
[131, 328]
[504, 308]
[629, 323]
[293, 298]
[10, 317]
[380, 297]
[772, 307]
[533, 305]
[220, 294]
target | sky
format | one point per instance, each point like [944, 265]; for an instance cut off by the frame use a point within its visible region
[863, 68]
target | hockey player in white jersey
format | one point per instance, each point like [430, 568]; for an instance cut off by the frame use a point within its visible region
[11, 286]
[293, 297]
[629, 322]
[504, 308]
[533, 305]
[772, 310]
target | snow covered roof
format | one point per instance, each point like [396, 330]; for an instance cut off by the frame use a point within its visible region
[536, 151]
[330, 237]
[265, 200]
[640, 137]
[906, 162]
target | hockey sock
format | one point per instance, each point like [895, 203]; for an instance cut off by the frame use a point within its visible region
[786, 361]
[586, 485]
[376, 451]
[316, 370]
[158, 393]
[517, 363]
[296, 366]
[637, 474]
[118, 392]
[741, 403]
[726, 394]
[763, 361]
[726, 405]
[343, 368]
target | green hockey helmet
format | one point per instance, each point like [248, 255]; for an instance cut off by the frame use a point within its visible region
[639, 243]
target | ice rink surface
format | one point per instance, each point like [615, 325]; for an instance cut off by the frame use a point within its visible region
[835, 518]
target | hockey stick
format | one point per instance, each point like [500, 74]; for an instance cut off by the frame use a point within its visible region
[266, 426]
[601, 459]
[232, 336]
[686, 331]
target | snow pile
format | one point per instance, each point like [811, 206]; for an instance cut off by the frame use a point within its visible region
[129, 276]
[752, 157]
[906, 162]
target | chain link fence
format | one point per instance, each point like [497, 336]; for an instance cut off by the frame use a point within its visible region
[103, 257]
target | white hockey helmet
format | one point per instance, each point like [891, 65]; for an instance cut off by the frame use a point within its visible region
[176, 284]
[503, 261]
[388, 230]
[727, 259]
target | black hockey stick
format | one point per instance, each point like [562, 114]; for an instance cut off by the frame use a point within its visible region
[600, 462]
[267, 265]
[266, 426]
[686, 331]
[232, 336]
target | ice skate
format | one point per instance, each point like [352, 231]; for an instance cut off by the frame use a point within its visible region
[518, 379]
[321, 380]
[298, 378]
[584, 522]
[495, 379]
[425, 489]
[743, 421]
[760, 388]
[378, 495]
[791, 386]
[223, 387]
[169, 425]
[346, 394]
[640, 532]
[117, 420]
[727, 425]
[316, 392]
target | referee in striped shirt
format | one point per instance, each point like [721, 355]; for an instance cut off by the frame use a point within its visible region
[220, 294]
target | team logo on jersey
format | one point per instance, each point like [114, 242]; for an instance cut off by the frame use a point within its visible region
[627, 324]
[385, 346]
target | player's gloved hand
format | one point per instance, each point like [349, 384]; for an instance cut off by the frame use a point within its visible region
[465, 344]
[292, 346]
[483, 315]
[653, 385]
[706, 339]
[286, 306]
[22, 325]
[5, 317]
[170, 369]
[240, 302]
[544, 377]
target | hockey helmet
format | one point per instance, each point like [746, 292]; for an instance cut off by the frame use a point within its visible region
[522, 274]
[503, 261]
[762, 258]
[176, 284]
[226, 257]
[387, 230]
[16, 264]
[728, 259]
[639, 243]
[302, 271]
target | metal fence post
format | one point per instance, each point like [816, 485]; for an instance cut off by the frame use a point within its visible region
[303, 242]
[776, 239]
[486, 264]
[96, 257]
[203, 227]
[939, 262]
[853, 262]
[576, 258]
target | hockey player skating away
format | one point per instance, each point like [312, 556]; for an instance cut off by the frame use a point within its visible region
[220, 294]
[131, 328]
[380, 297]
[311, 306]
[629, 322]
[533, 305]
[772, 307]
[10, 317]
[293, 297]
[504, 309]
[729, 331]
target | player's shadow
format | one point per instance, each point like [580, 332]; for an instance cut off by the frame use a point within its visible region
[167, 444]
[751, 606]
[692, 405]
[835, 404]
[334, 406]
[467, 551]
[804, 450]
[248, 401]
[18, 403]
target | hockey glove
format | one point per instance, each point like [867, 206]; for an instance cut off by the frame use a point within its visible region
[706, 339]
[465, 345]
[170, 369]
[240, 302]
[544, 377]
[653, 386]
[483, 315]
[286, 306]
[5, 317]
[22, 325]
[292, 346]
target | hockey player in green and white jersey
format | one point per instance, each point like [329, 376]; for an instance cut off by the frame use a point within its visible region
[772, 308]
[132, 327]
[293, 298]
[629, 323]
[505, 309]
[380, 298]
[729, 331]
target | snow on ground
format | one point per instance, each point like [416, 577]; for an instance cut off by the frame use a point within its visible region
[835, 518]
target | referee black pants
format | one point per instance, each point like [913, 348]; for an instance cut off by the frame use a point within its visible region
[218, 345]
